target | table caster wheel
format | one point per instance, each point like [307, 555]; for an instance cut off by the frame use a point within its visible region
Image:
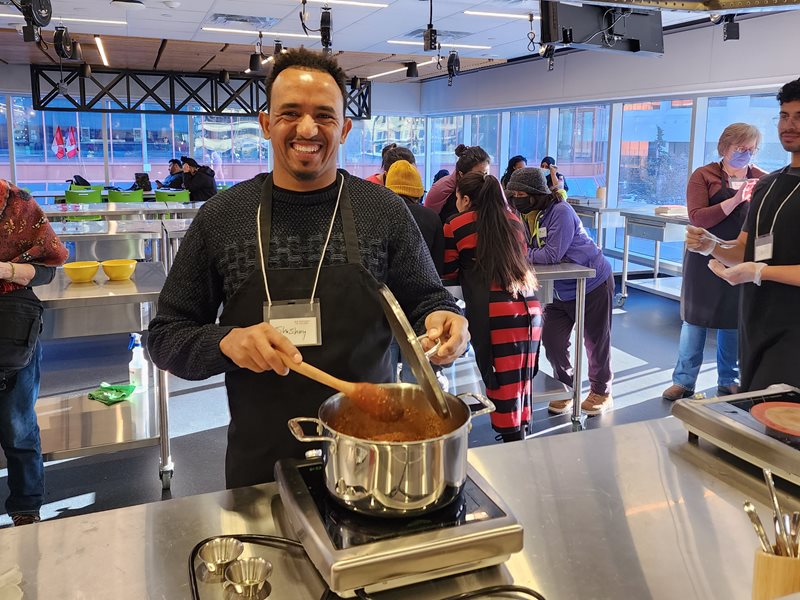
[619, 301]
[166, 479]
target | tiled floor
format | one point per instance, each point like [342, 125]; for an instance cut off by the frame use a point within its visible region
[644, 339]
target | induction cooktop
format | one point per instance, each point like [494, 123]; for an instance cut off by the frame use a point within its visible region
[353, 551]
[731, 423]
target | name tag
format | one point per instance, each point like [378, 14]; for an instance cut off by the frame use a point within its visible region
[736, 183]
[299, 320]
[542, 232]
[763, 248]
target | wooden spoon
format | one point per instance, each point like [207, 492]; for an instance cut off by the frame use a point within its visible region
[369, 397]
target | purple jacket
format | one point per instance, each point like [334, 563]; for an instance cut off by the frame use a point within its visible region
[565, 240]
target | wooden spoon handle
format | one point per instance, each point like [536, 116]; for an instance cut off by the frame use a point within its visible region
[307, 370]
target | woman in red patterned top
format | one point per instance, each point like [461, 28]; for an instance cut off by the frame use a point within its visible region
[485, 250]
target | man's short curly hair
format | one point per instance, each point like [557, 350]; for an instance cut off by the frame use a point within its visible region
[307, 60]
[790, 92]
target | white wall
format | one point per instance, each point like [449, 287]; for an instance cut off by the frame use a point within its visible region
[694, 62]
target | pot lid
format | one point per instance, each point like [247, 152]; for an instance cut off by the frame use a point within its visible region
[412, 351]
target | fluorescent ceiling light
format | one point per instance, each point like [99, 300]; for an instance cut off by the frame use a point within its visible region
[402, 69]
[477, 13]
[266, 33]
[73, 20]
[101, 50]
[352, 3]
[268, 59]
[444, 45]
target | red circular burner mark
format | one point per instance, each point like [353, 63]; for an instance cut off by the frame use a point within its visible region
[768, 413]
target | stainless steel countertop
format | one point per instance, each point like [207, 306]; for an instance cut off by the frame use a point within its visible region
[654, 218]
[144, 286]
[633, 511]
[103, 230]
[562, 271]
[102, 209]
[176, 228]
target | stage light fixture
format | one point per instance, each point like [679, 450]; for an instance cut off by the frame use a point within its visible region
[355, 83]
[325, 29]
[453, 66]
[730, 30]
[224, 76]
[411, 69]
[85, 71]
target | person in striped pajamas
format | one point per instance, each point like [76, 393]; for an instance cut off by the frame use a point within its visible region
[485, 250]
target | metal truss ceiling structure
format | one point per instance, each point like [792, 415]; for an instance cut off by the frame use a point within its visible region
[128, 91]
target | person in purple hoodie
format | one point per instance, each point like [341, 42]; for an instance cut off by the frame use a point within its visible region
[558, 236]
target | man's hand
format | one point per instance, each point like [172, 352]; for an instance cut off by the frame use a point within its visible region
[254, 348]
[696, 241]
[747, 272]
[451, 329]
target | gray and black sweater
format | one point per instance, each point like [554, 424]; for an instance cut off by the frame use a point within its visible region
[220, 251]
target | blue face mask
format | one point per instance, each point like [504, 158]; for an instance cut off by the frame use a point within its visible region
[740, 159]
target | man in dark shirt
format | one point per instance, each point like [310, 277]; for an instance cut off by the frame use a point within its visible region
[175, 178]
[198, 180]
[305, 237]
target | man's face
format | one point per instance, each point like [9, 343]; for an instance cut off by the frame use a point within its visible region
[789, 126]
[305, 125]
[174, 168]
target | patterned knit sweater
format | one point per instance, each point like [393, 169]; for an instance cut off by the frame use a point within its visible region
[220, 251]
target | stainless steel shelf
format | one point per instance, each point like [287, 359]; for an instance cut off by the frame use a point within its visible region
[667, 287]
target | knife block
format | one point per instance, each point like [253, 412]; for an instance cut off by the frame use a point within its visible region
[775, 576]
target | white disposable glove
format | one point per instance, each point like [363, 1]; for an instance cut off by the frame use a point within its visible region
[697, 240]
[748, 272]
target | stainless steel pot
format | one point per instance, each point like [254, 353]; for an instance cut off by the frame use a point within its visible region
[394, 479]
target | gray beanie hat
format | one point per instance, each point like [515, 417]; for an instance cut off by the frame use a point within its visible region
[529, 180]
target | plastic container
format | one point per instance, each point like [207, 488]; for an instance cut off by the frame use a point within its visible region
[138, 368]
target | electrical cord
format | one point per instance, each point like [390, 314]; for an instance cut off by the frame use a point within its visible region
[273, 541]
[481, 593]
[605, 31]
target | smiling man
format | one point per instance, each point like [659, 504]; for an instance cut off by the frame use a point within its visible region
[294, 257]
[765, 259]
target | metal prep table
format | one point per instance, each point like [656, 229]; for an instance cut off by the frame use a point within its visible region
[71, 424]
[641, 514]
[172, 232]
[185, 210]
[112, 210]
[659, 228]
[591, 212]
[545, 387]
[103, 240]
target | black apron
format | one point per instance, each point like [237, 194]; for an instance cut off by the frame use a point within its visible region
[355, 344]
[769, 330]
[707, 300]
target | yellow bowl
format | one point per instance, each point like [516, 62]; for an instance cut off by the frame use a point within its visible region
[119, 269]
[81, 271]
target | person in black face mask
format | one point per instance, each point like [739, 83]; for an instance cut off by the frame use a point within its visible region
[559, 236]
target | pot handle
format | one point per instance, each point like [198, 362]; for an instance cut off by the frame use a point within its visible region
[488, 404]
[297, 430]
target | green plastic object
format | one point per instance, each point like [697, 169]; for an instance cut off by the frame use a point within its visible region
[88, 196]
[125, 196]
[111, 394]
[172, 196]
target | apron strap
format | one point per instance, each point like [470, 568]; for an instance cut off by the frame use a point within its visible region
[349, 227]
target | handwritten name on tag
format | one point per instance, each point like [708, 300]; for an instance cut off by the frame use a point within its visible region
[299, 331]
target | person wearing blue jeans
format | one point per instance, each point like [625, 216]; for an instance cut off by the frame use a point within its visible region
[717, 199]
[690, 357]
[19, 438]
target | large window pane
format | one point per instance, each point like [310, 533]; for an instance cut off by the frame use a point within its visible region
[446, 134]
[485, 132]
[158, 138]
[654, 159]
[528, 135]
[654, 162]
[127, 148]
[5, 167]
[368, 137]
[583, 147]
[49, 147]
[90, 126]
[755, 110]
